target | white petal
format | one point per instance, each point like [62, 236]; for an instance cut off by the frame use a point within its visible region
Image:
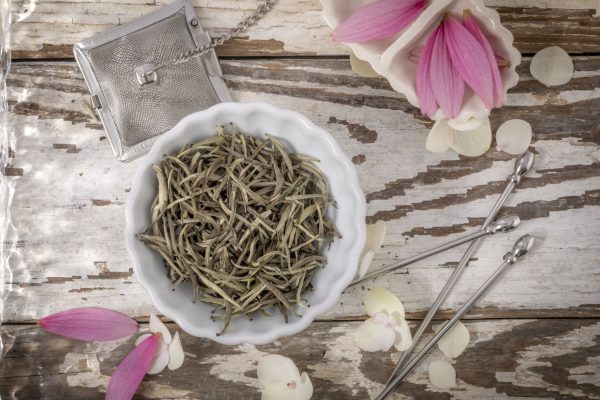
[514, 136]
[442, 374]
[157, 326]
[161, 359]
[552, 66]
[176, 354]
[361, 67]
[365, 263]
[304, 390]
[475, 142]
[403, 335]
[375, 236]
[274, 368]
[440, 137]
[141, 338]
[373, 336]
[455, 341]
[379, 299]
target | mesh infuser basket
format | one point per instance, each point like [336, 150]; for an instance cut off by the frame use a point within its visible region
[135, 113]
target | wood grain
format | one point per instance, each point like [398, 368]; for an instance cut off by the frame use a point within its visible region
[514, 359]
[49, 28]
[70, 195]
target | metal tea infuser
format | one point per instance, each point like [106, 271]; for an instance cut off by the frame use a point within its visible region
[146, 75]
[519, 250]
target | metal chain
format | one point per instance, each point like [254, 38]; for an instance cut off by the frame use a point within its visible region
[241, 27]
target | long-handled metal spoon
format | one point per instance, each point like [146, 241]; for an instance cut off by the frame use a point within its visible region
[523, 165]
[520, 248]
[505, 224]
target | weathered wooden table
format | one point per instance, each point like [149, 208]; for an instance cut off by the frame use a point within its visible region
[535, 335]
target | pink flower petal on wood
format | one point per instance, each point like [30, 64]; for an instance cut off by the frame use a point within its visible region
[129, 373]
[89, 324]
[424, 92]
[470, 59]
[447, 85]
[472, 26]
[378, 20]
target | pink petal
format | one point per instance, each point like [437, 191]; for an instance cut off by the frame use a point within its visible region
[424, 92]
[447, 85]
[470, 59]
[378, 20]
[89, 324]
[470, 23]
[129, 373]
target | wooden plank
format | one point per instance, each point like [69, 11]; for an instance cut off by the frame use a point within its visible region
[48, 29]
[70, 195]
[506, 359]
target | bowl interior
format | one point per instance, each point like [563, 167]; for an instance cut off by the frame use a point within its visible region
[298, 135]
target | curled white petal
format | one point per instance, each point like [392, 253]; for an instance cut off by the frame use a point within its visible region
[440, 137]
[365, 263]
[475, 142]
[375, 236]
[280, 379]
[157, 326]
[161, 359]
[552, 66]
[455, 341]
[361, 67]
[379, 299]
[442, 374]
[403, 335]
[274, 368]
[514, 136]
[373, 335]
[176, 354]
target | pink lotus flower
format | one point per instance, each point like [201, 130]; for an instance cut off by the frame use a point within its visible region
[455, 54]
[378, 20]
[90, 324]
[129, 373]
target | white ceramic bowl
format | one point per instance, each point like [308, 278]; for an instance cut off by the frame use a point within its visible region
[390, 57]
[299, 135]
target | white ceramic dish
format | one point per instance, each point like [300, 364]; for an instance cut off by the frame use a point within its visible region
[300, 135]
[390, 57]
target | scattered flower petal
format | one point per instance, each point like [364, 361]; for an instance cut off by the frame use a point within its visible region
[160, 360]
[161, 357]
[403, 335]
[446, 83]
[365, 263]
[379, 300]
[176, 354]
[427, 101]
[361, 67]
[470, 22]
[442, 374]
[552, 66]
[375, 334]
[470, 60]
[475, 142]
[455, 341]
[280, 379]
[440, 137]
[378, 20]
[376, 235]
[129, 373]
[89, 324]
[157, 326]
[514, 136]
